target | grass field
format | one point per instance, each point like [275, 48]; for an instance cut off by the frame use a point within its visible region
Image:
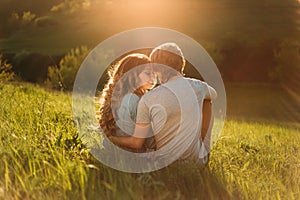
[43, 158]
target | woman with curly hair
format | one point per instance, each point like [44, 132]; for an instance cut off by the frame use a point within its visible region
[129, 79]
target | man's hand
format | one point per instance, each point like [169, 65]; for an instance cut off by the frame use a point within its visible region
[136, 141]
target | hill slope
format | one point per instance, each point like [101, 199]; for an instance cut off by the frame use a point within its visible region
[42, 157]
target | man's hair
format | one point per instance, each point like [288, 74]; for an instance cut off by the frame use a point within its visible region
[169, 54]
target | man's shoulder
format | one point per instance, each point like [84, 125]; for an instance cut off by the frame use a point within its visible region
[196, 82]
[155, 90]
[154, 94]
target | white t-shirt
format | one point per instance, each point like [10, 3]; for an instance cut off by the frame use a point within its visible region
[174, 110]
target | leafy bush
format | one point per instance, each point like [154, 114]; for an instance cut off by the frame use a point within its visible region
[18, 20]
[33, 67]
[71, 6]
[45, 21]
[28, 17]
[63, 76]
[6, 73]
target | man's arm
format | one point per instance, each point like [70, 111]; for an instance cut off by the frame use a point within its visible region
[136, 141]
[210, 92]
[142, 129]
[206, 117]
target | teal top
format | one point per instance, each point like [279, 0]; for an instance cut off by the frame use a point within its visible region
[126, 118]
[126, 114]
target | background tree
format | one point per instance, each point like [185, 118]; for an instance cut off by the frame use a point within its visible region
[6, 73]
[63, 76]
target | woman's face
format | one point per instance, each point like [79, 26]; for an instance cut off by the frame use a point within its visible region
[147, 78]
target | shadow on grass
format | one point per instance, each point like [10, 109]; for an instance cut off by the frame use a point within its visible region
[177, 181]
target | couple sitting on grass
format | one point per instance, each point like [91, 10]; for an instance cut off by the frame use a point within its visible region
[147, 105]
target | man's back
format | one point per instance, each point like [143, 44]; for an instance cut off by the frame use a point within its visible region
[163, 107]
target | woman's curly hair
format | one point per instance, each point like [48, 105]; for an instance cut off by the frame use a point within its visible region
[115, 90]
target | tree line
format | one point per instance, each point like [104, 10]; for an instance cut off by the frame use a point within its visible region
[269, 63]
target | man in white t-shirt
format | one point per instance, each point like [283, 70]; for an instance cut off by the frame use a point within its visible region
[173, 111]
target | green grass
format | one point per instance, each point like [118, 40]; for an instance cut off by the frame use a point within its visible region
[43, 158]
